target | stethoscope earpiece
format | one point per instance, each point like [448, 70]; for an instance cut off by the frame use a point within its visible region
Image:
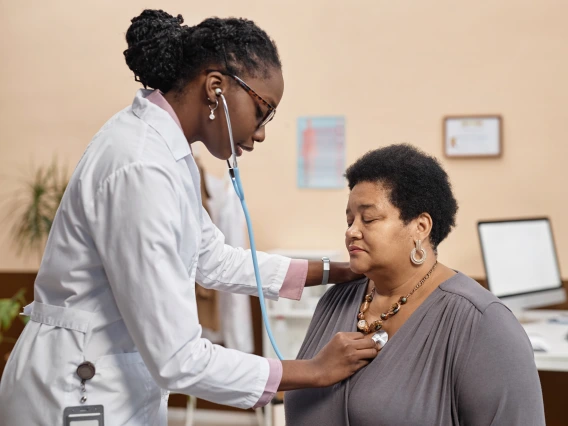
[218, 91]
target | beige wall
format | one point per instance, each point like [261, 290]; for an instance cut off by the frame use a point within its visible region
[394, 69]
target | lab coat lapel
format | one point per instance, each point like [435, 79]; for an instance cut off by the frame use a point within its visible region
[163, 123]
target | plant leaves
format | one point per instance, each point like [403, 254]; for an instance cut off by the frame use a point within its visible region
[34, 209]
[7, 313]
[10, 309]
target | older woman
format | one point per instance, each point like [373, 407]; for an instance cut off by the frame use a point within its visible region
[452, 353]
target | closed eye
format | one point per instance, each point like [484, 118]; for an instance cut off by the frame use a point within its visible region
[259, 113]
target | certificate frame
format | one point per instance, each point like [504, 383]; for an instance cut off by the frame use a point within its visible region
[481, 136]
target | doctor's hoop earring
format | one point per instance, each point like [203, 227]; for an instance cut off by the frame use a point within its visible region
[212, 115]
[418, 248]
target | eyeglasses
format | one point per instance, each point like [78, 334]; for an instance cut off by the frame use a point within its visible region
[270, 113]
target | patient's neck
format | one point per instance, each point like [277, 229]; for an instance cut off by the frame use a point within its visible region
[391, 282]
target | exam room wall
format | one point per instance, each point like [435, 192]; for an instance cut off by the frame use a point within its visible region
[394, 69]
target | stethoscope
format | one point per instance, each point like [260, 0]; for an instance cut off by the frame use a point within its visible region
[238, 185]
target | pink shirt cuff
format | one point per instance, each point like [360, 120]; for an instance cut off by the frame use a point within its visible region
[295, 280]
[274, 379]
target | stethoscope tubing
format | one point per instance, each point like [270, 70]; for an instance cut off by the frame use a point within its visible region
[235, 174]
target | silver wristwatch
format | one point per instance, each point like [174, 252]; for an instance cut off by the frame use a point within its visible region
[326, 268]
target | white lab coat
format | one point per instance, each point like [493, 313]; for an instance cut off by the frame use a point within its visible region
[116, 287]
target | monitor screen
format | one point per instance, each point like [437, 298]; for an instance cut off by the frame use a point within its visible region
[519, 256]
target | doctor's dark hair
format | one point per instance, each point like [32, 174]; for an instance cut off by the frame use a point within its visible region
[417, 184]
[166, 55]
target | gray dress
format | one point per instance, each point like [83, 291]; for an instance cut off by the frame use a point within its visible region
[462, 358]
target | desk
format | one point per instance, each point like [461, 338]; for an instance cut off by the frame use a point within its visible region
[554, 335]
[552, 365]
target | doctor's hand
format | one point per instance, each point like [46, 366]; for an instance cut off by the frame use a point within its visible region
[339, 359]
[343, 356]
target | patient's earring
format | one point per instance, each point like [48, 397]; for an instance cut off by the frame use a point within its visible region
[212, 115]
[418, 248]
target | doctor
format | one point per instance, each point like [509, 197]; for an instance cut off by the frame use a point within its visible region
[115, 293]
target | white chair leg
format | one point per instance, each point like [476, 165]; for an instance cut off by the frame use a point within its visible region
[190, 410]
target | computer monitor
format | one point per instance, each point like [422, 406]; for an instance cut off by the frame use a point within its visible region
[521, 264]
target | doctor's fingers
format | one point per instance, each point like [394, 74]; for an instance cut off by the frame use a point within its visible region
[354, 341]
[351, 335]
[366, 343]
[366, 354]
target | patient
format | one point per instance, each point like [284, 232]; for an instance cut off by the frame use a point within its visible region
[455, 354]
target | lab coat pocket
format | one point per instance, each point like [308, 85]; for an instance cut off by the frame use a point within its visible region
[129, 395]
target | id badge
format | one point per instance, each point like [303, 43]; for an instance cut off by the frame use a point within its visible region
[84, 415]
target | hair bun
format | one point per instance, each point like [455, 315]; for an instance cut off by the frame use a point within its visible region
[155, 48]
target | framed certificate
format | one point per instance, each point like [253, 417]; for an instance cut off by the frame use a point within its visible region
[473, 136]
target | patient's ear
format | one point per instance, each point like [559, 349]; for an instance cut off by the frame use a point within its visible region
[423, 226]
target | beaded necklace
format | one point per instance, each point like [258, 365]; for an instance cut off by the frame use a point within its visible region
[376, 326]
